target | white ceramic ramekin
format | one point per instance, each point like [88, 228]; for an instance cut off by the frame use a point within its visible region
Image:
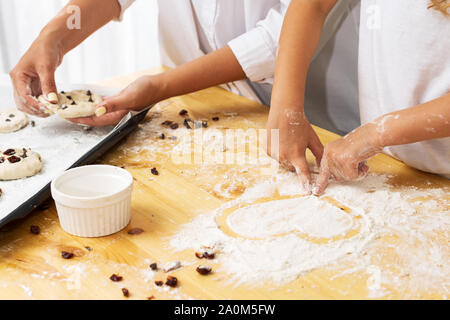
[93, 201]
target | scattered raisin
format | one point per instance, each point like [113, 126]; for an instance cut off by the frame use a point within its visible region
[63, 92]
[116, 278]
[162, 136]
[206, 255]
[183, 112]
[125, 292]
[204, 270]
[204, 124]
[199, 255]
[90, 99]
[33, 123]
[11, 116]
[167, 123]
[69, 97]
[73, 103]
[88, 248]
[174, 126]
[35, 229]
[64, 107]
[67, 255]
[9, 152]
[209, 255]
[187, 122]
[154, 266]
[215, 119]
[135, 231]
[155, 172]
[2, 159]
[159, 283]
[171, 281]
[14, 159]
[89, 93]
[7, 120]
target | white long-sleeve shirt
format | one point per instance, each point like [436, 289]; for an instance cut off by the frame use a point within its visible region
[404, 61]
[189, 29]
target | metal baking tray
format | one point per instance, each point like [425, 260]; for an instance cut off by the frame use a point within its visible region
[125, 127]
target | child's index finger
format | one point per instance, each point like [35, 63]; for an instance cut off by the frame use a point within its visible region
[322, 180]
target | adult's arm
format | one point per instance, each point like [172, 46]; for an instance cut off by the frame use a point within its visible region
[34, 73]
[251, 55]
[216, 68]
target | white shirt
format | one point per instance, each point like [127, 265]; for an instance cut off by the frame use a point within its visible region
[404, 61]
[189, 29]
[250, 27]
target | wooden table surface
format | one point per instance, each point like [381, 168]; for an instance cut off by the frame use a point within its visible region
[31, 266]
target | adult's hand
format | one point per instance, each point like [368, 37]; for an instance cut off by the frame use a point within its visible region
[143, 92]
[34, 75]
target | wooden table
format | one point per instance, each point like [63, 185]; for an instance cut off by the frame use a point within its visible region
[31, 266]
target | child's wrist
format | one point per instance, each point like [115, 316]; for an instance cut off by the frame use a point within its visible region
[375, 135]
[287, 105]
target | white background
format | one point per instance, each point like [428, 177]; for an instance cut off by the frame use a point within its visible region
[117, 48]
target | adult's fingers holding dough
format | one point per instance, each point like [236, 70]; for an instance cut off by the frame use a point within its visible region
[30, 105]
[23, 96]
[112, 104]
[108, 119]
[48, 85]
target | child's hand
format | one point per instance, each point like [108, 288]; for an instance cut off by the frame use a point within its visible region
[295, 136]
[344, 159]
[141, 93]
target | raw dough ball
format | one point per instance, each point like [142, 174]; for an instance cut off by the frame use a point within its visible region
[12, 120]
[74, 104]
[19, 163]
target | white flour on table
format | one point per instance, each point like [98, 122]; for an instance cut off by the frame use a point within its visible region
[308, 215]
[273, 242]
[268, 249]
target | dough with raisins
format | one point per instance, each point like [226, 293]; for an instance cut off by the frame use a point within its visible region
[73, 104]
[12, 120]
[19, 163]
